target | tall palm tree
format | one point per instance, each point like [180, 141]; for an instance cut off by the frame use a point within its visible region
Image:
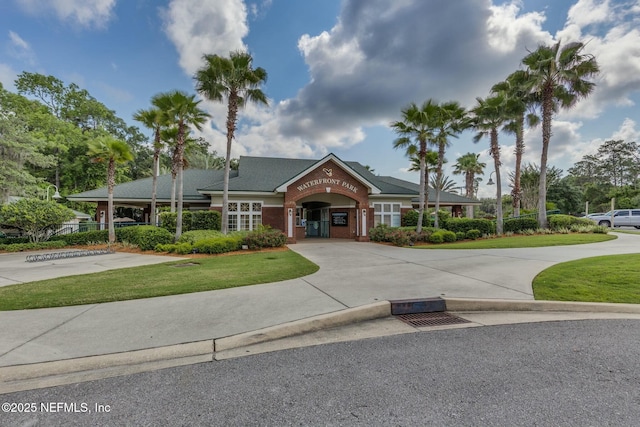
[489, 117]
[111, 151]
[154, 119]
[558, 78]
[469, 165]
[452, 121]
[517, 87]
[182, 111]
[417, 128]
[233, 78]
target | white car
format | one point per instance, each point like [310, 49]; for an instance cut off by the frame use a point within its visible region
[621, 218]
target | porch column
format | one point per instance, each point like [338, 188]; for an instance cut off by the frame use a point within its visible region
[290, 221]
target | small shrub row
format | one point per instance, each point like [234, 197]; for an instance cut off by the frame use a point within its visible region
[196, 235]
[175, 248]
[442, 236]
[557, 222]
[191, 220]
[516, 225]
[19, 247]
[146, 237]
[218, 245]
[265, 238]
[13, 240]
[465, 224]
[84, 237]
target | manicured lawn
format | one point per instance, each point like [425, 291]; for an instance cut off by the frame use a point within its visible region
[519, 241]
[171, 278]
[614, 278]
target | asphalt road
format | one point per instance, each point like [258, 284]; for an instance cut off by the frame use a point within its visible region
[581, 373]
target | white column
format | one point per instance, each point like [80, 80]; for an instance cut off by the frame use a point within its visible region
[364, 223]
[290, 222]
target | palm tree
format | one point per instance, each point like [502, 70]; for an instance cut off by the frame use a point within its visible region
[235, 79]
[417, 128]
[469, 166]
[517, 87]
[154, 119]
[489, 116]
[182, 111]
[452, 121]
[112, 152]
[558, 78]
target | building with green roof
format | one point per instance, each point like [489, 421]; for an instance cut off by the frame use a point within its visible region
[305, 198]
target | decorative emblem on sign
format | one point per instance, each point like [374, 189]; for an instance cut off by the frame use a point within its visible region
[329, 172]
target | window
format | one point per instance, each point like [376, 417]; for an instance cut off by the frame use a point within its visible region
[301, 215]
[386, 213]
[245, 215]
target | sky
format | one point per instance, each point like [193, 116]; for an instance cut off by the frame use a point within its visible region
[339, 71]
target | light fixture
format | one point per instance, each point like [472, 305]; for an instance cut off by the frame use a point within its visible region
[56, 195]
[490, 182]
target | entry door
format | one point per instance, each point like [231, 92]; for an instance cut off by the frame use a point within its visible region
[324, 222]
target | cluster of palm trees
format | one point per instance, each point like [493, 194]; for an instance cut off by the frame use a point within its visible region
[174, 114]
[553, 77]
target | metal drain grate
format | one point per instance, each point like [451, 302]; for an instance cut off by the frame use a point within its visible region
[431, 319]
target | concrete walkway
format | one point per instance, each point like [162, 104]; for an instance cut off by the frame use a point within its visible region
[351, 275]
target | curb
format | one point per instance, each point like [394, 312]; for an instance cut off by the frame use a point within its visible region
[464, 304]
[60, 372]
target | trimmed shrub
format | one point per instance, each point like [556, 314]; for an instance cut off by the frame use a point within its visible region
[178, 248]
[84, 237]
[473, 234]
[218, 245]
[410, 219]
[461, 235]
[379, 233]
[516, 225]
[205, 220]
[168, 221]
[436, 237]
[465, 224]
[146, 237]
[19, 247]
[557, 222]
[448, 236]
[194, 236]
[13, 240]
[265, 238]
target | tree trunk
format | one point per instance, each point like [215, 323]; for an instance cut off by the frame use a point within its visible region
[547, 112]
[180, 148]
[469, 181]
[519, 151]
[495, 153]
[423, 168]
[111, 182]
[439, 182]
[154, 183]
[231, 127]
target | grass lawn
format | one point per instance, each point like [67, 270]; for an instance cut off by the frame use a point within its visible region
[520, 241]
[170, 278]
[613, 278]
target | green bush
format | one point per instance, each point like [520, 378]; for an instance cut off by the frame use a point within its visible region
[13, 240]
[448, 236]
[436, 237]
[465, 224]
[410, 219]
[205, 220]
[461, 235]
[177, 248]
[168, 221]
[194, 236]
[219, 245]
[516, 225]
[146, 237]
[379, 233]
[473, 234]
[557, 222]
[265, 238]
[84, 237]
[19, 247]
[444, 217]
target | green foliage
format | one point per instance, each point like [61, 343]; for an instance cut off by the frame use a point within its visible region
[516, 225]
[379, 233]
[461, 235]
[410, 219]
[465, 224]
[19, 247]
[265, 238]
[84, 237]
[194, 236]
[444, 217]
[557, 222]
[13, 240]
[437, 237]
[146, 237]
[37, 218]
[473, 234]
[205, 220]
[183, 248]
[219, 245]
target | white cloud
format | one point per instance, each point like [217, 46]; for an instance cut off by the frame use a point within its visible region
[204, 27]
[86, 13]
[20, 49]
[7, 77]
[507, 28]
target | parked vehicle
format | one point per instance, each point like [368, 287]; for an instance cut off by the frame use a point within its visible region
[621, 218]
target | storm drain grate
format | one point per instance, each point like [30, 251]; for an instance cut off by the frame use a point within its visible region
[431, 319]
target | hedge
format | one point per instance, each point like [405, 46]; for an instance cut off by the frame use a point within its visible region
[84, 237]
[19, 247]
[265, 238]
[218, 245]
[517, 225]
[146, 237]
[196, 235]
[410, 219]
[465, 224]
[557, 222]
[191, 220]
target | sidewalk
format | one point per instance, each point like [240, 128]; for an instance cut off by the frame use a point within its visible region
[352, 277]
